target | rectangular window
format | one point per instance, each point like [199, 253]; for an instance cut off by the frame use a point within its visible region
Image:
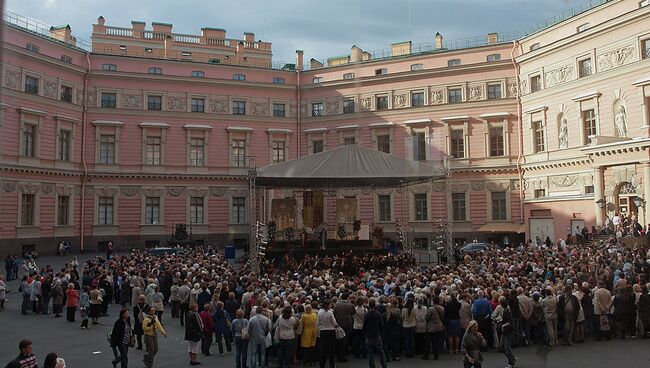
[419, 146]
[348, 76]
[29, 140]
[107, 149]
[238, 212]
[32, 48]
[317, 109]
[540, 193]
[279, 110]
[317, 80]
[66, 94]
[198, 104]
[383, 143]
[589, 189]
[645, 48]
[154, 70]
[589, 123]
[457, 143]
[154, 150]
[109, 67]
[417, 99]
[197, 152]
[348, 106]
[455, 95]
[196, 210]
[496, 142]
[349, 140]
[381, 71]
[239, 153]
[584, 68]
[27, 209]
[198, 74]
[278, 80]
[383, 210]
[105, 211]
[535, 83]
[109, 100]
[415, 67]
[458, 207]
[152, 210]
[538, 131]
[31, 85]
[499, 211]
[317, 146]
[278, 151]
[239, 107]
[66, 59]
[239, 77]
[494, 91]
[64, 145]
[493, 57]
[453, 62]
[420, 201]
[382, 102]
[154, 103]
[63, 208]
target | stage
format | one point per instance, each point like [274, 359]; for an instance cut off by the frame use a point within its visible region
[313, 248]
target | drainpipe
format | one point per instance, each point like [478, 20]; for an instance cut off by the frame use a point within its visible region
[520, 139]
[84, 176]
[298, 117]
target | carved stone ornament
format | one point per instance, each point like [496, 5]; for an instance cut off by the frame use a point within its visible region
[259, 108]
[129, 191]
[399, 101]
[197, 192]
[80, 96]
[437, 96]
[49, 88]
[175, 191]
[459, 187]
[512, 89]
[237, 192]
[47, 188]
[293, 110]
[91, 97]
[218, 191]
[514, 184]
[218, 105]
[303, 109]
[438, 187]
[478, 186]
[559, 75]
[497, 185]
[475, 93]
[523, 84]
[176, 103]
[106, 192]
[332, 107]
[365, 103]
[29, 188]
[64, 191]
[616, 57]
[565, 181]
[12, 79]
[131, 101]
[9, 186]
[152, 192]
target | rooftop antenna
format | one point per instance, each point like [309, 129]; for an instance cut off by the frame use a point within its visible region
[409, 20]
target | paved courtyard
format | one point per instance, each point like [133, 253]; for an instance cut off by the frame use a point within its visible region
[89, 348]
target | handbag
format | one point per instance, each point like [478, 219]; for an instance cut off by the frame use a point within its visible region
[299, 329]
[244, 333]
[604, 323]
[340, 332]
[269, 340]
[132, 341]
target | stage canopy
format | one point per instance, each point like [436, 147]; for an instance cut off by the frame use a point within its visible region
[347, 167]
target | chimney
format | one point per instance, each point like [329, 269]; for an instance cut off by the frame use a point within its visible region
[137, 28]
[401, 48]
[168, 45]
[249, 37]
[366, 56]
[300, 60]
[438, 40]
[162, 27]
[492, 38]
[356, 54]
[99, 28]
[315, 64]
[63, 34]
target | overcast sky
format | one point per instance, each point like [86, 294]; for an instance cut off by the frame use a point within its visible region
[321, 28]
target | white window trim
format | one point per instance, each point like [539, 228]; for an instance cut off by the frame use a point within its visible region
[412, 206]
[145, 126]
[157, 192]
[118, 96]
[115, 125]
[37, 210]
[488, 195]
[237, 133]
[457, 123]
[188, 206]
[230, 209]
[502, 122]
[67, 124]
[533, 117]
[343, 132]
[115, 208]
[584, 105]
[70, 210]
[451, 206]
[279, 135]
[26, 118]
[388, 128]
[196, 131]
[316, 134]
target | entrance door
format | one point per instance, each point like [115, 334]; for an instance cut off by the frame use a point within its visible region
[542, 228]
[625, 205]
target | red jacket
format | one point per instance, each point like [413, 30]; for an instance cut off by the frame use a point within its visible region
[72, 298]
[208, 323]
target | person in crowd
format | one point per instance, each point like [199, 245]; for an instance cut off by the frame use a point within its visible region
[175, 298]
[194, 331]
[25, 289]
[452, 319]
[26, 358]
[506, 328]
[3, 292]
[222, 327]
[549, 304]
[344, 314]
[184, 305]
[309, 335]
[568, 308]
[602, 309]
[326, 324]
[624, 311]
[151, 327]
[121, 339]
[158, 303]
[285, 335]
[57, 299]
[52, 360]
[481, 312]
[96, 300]
[358, 339]
[240, 324]
[46, 292]
[208, 330]
[140, 309]
[373, 324]
[472, 342]
[435, 328]
[258, 327]
[71, 302]
[408, 328]
[84, 306]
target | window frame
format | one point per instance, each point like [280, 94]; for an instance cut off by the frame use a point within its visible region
[153, 150]
[197, 74]
[384, 214]
[239, 107]
[348, 76]
[492, 95]
[278, 151]
[313, 146]
[279, 112]
[155, 70]
[589, 124]
[197, 152]
[317, 109]
[457, 146]
[500, 211]
[539, 135]
[108, 67]
[64, 138]
[197, 104]
[347, 103]
[582, 71]
[459, 206]
[239, 77]
[498, 149]
[453, 62]
[455, 97]
[152, 210]
[493, 57]
[66, 97]
[154, 105]
[417, 66]
[106, 207]
[279, 80]
[421, 100]
[197, 210]
[238, 210]
[382, 102]
[106, 102]
[238, 152]
[32, 84]
[103, 153]
[63, 210]
[28, 209]
[386, 144]
[420, 207]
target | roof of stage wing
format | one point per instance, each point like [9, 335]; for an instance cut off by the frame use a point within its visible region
[347, 167]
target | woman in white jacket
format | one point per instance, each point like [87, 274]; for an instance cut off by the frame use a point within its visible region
[285, 333]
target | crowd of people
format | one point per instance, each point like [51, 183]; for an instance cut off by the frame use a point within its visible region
[328, 309]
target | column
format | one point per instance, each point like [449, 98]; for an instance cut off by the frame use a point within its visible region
[646, 191]
[598, 194]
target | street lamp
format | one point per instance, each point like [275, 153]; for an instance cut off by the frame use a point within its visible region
[601, 203]
[638, 201]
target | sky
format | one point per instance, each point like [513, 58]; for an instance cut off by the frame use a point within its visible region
[322, 29]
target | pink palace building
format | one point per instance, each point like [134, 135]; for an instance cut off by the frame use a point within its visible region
[144, 128]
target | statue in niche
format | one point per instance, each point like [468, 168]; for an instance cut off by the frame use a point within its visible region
[620, 122]
[563, 135]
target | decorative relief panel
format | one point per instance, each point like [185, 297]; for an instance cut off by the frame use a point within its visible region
[293, 110]
[523, 85]
[12, 78]
[218, 105]
[91, 97]
[9, 186]
[259, 108]
[365, 103]
[50, 87]
[512, 88]
[175, 191]
[478, 186]
[129, 191]
[152, 192]
[303, 109]
[131, 101]
[493, 186]
[399, 100]
[176, 103]
[238, 192]
[475, 93]
[29, 188]
[437, 96]
[615, 58]
[559, 75]
[80, 96]
[332, 106]
[218, 191]
[194, 192]
[459, 187]
[438, 186]
[47, 188]
[106, 192]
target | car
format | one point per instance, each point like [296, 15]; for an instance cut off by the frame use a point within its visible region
[159, 251]
[474, 247]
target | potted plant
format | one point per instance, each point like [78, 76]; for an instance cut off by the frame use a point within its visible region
[377, 234]
[272, 229]
[356, 227]
[289, 234]
[340, 231]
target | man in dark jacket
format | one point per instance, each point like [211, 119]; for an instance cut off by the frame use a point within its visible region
[193, 333]
[568, 307]
[373, 325]
[344, 314]
[26, 359]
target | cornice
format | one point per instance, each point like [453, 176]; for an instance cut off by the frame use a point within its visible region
[11, 48]
[121, 113]
[553, 164]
